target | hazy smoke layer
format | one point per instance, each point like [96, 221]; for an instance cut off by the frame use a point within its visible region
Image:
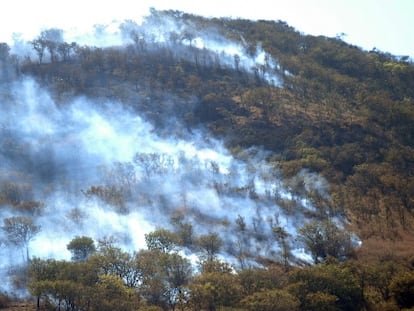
[171, 30]
[100, 170]
[93, 168]
[202, 45]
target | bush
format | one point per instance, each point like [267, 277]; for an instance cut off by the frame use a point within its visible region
[4, 300]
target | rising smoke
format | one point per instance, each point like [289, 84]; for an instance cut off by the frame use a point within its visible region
[101, 170]
[98, 169]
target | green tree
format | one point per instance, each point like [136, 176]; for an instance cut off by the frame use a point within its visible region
[81, 248]
[271, 300]
[212, 290]
[257, 279]
[152, 286]
[378, 277]
[40, 271]
[324, 238]
[402, 289]
[62, 284]
[321, 301]
[164, 277]
[184, 231]
[111, 294]
[178, 272]
[163, 240]
[320, 284]
[111, 260]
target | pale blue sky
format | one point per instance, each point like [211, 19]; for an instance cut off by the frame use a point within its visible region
[385, 24]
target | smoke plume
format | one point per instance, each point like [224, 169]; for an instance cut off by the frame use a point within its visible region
[94, 168]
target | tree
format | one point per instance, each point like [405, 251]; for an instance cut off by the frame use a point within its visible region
[259, 279]
[330, 285]
[4, 52]
[184, 231]
[40, 271]
[64, 49]
[152, 286]
[111, 260]
[211, 244]
[4, 59]
[214, 289]
[163, 240]
[164, 277]
[178, 271]
[81, 248]
[236, 58]
[111, 294]
[20, 231]
[62, 284]
[271, 300]
[321, 301]
[242, 242]
[402, 289]
[324, 238]
[154, 163]
[52, 38]
[281, 236]
[39, 45]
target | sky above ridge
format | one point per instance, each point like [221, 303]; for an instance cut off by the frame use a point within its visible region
[383, 24]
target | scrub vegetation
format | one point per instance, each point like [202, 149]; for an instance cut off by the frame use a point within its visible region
[206, 164]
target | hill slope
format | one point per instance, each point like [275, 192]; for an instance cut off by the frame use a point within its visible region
[250, 128]
[337, 110]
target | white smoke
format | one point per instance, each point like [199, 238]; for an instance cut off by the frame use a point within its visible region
[67, 150]
[185, 38]
[160, 28]
[101, 170]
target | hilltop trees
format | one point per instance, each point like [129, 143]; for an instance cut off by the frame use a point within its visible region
[52, 41]
[4, 61]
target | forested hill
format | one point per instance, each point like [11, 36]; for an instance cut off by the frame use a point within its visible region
[340, 111]
[309, 104]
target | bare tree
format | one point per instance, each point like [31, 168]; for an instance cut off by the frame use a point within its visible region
[39, 45]
[20, 231]
[211, 244]
[52, 38]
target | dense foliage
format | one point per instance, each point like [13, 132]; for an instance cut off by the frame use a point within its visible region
[345, 113]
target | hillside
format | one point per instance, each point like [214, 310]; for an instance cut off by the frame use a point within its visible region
[289, 157]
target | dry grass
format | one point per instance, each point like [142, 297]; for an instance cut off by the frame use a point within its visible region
[20, 306]
[377, 249]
